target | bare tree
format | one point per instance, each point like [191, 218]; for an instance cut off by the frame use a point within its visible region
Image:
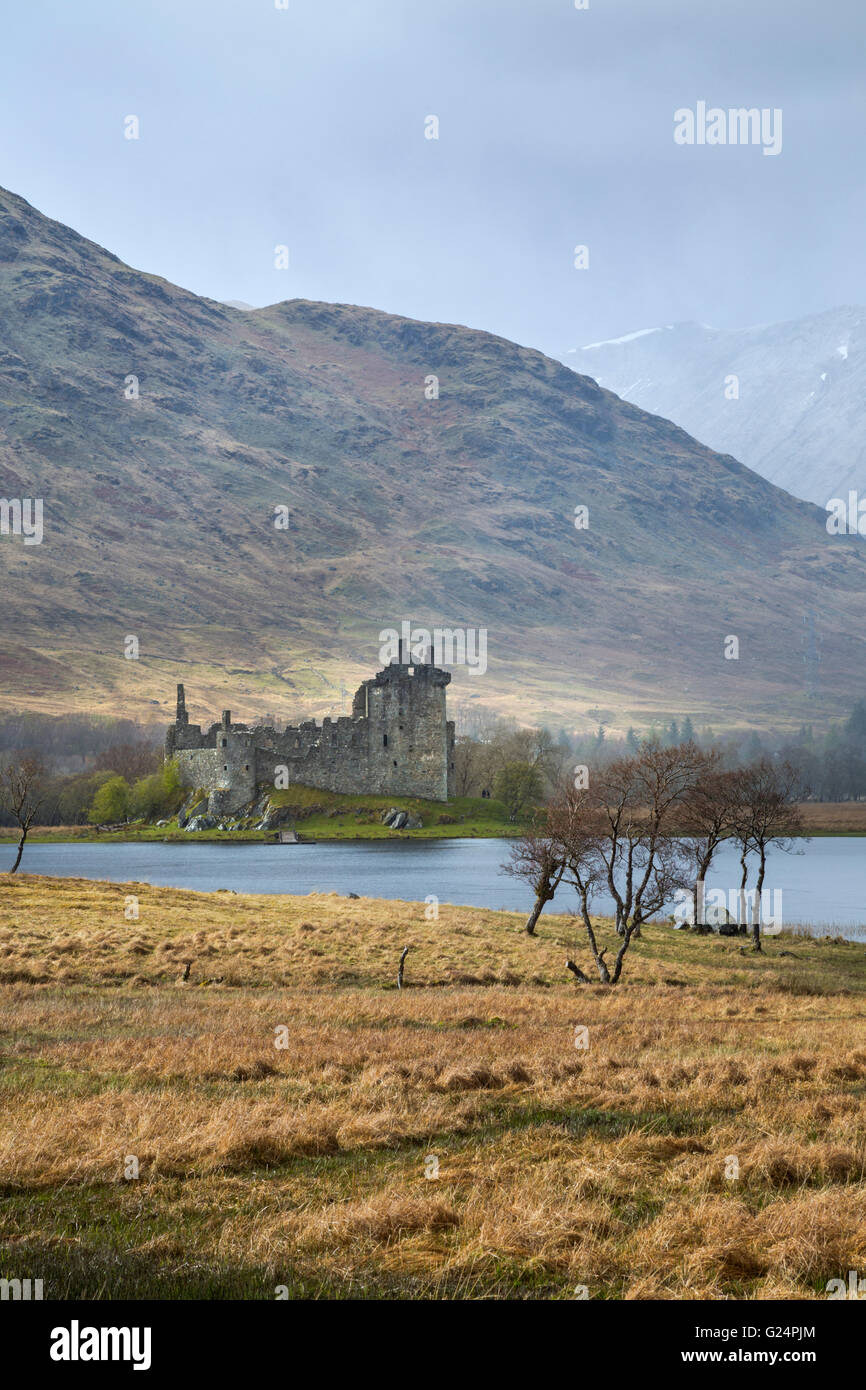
[618, 836]
[468, 766]
[576, 830]
[768, 814]
[130, 760]
[709, 817]
[23, 789]
[640, 796]
[742, 836]
[537, 860]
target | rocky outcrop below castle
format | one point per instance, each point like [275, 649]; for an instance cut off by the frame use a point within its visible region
[263, 814]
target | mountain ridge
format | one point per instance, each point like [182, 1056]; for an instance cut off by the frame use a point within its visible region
[451, 511]
[797, 417]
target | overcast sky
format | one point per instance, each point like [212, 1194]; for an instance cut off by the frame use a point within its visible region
[306, 127]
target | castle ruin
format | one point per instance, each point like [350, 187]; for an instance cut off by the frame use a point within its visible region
[398, 741]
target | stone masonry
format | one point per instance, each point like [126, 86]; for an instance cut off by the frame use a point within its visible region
[397, 741]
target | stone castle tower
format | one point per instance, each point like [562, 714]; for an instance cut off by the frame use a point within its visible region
[398, 741]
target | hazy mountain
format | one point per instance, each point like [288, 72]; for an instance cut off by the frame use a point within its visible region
[163, 429]
[799, 417]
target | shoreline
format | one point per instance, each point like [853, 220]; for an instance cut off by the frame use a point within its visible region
[268, 838]
[473, 819]
[262, 838]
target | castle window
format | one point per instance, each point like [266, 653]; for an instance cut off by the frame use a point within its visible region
[246, 767]
[223, 744]
[395, 762]
[225, 767]
[384, 740]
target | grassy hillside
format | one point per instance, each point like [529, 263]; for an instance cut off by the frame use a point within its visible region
[309, 1166]
[333, 816]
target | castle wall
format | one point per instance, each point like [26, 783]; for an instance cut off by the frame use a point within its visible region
[397, 741]
[221, 762]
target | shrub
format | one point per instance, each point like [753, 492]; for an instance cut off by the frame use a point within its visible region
[111, 802]
[160, 794]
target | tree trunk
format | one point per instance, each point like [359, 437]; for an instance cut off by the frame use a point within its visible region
[756, 924]
[20, 851]
[534, 915]
[699, 894]
[597, 955]
[545, 894]
[633, 931]
[742, 924]
[603, 972]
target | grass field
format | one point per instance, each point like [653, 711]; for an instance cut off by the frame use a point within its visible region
[706, 1143]
[834, 817]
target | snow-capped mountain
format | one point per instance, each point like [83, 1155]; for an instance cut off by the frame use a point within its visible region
[788, 399]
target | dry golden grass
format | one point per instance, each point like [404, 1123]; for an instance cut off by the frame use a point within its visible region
[309, 1165]
[834, 817]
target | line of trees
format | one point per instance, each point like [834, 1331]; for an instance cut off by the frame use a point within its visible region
[29, 796]
[68, 799]
[830, 765]
[642, 828]
[157, 795]
[63, 739]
